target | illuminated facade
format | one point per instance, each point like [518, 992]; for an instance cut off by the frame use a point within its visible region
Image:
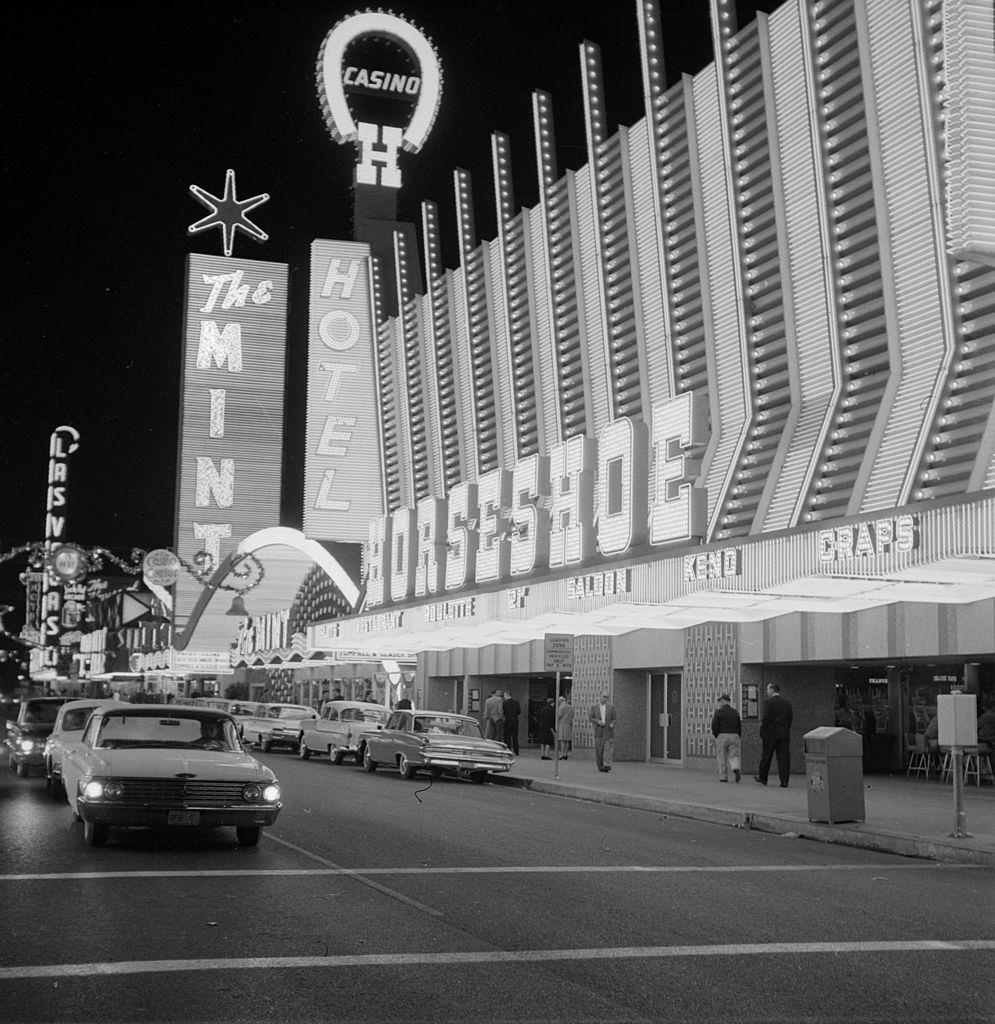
[721, 403]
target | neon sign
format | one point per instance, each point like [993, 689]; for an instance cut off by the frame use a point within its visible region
[891, 535]
[378, 144]
[587, 497]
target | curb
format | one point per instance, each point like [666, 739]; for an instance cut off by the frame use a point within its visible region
[853, 835]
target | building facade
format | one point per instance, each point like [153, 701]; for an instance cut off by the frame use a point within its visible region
[720, 405]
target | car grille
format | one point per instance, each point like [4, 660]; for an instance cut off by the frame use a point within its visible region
[202, 792]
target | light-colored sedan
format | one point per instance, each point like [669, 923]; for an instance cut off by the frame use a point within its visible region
[166, 765]
[68, 728]
[276, 725]
[340, 729]
[435, 741]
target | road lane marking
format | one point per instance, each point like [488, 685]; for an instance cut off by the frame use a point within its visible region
[487, 956]
[565, 869]
[360, 876]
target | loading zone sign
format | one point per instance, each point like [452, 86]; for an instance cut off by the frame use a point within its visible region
[558, 652]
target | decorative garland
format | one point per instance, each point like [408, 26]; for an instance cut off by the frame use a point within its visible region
[246, 573]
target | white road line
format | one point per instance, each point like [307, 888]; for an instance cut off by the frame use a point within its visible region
[565, 869]
[488, 956]
[360, 876]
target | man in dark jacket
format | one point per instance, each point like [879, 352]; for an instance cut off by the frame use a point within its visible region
[775, 728]
[727, 728]
[512, 710]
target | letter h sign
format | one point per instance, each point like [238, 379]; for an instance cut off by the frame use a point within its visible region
[378, 144]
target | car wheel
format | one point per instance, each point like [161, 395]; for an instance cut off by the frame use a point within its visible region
[302, 750]
[264, 745]
[94, 833]
[478, 777]
[368, 763]
[22, 769]
[248, 835]
[335, 755]
[406, 768]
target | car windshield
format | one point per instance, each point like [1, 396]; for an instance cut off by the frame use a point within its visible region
[172, 730]
[365, 714]
[289, 712]
[39, 712]
[447, 724]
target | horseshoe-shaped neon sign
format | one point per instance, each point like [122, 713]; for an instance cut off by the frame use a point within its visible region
[330, 87]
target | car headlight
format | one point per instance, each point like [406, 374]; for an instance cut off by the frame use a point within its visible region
[113, 790]
[93, 790]
[27, 746]
[268, 793]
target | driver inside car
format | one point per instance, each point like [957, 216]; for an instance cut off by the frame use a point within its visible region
[210, 735]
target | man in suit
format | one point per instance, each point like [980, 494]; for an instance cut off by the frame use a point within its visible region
[602, 716]
[775, 728]
[494, 716]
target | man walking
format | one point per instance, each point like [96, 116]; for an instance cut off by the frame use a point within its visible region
[494, 716]
[602, 716]
[727, 728]
[511, 710]
[775, 727]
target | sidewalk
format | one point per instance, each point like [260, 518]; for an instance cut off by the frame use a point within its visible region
[910, 817]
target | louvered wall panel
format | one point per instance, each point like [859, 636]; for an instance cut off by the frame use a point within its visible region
[504, 387]
[646, 265]
[910, 177]
[402, 386]
[542, 333]
[588, 284]
[969, 58]
[807, 231]
[725, 309]
[464, 386]
[389, 413]
[430, 374]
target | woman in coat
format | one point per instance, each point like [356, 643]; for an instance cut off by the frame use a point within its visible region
[564, 727]
[546, 722]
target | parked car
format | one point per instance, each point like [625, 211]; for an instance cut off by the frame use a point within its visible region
[340, 729]
[27, 733]
[437, 741]
[276, 725]
[240, 710]
[166, 765]
[69, 722]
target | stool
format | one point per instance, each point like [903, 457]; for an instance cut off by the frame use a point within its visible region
[970, 765]
[920, 762]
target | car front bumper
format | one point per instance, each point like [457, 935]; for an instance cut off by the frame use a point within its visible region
[103, 813]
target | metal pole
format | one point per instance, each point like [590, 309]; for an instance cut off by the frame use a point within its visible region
[556, 729]
[960, 817]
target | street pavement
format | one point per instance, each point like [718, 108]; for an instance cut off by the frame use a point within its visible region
[906, 816]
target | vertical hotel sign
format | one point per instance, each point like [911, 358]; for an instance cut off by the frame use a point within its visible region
[231, 435]
[343, 488]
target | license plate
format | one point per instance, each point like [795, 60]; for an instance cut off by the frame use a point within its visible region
[183, 818]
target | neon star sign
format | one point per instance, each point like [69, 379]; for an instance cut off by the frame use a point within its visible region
[228, 213]
[378, 144]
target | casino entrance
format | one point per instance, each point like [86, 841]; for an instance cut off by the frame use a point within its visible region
[665, 718]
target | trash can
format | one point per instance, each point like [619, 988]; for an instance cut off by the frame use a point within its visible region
[833, 764]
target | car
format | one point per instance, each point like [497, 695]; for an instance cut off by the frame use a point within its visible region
[69, 723]
[340, 729]
[166, 766]
[276, 725]
[27, 733]
[437, 741]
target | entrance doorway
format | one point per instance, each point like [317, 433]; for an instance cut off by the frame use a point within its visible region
[666, 728]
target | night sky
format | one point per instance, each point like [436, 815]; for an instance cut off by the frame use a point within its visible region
[111, 112]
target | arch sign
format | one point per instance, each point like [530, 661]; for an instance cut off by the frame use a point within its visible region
[378, 144]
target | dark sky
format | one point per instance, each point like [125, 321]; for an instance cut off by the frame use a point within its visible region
[111, 112]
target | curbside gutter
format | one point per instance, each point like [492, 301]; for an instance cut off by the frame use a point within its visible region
[856, 834]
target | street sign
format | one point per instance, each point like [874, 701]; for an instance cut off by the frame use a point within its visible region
[558, 652]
